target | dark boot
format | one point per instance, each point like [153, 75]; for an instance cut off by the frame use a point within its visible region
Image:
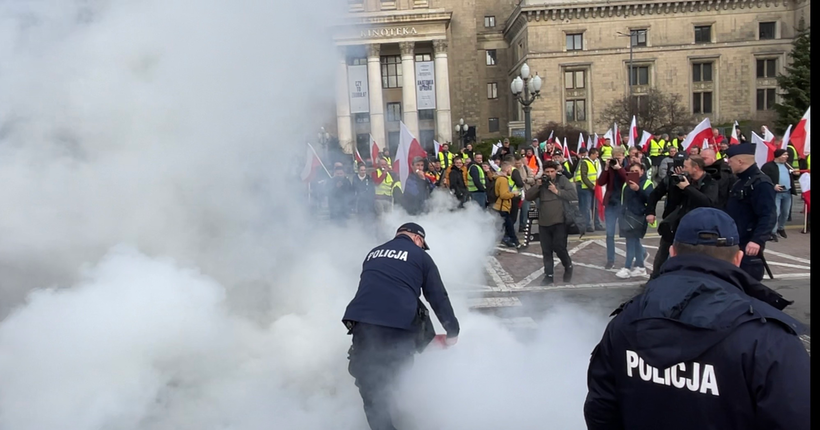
[568, 274]
[547, 281]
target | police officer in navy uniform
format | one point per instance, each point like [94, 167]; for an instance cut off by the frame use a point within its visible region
[695, 351]
[751, 205]
[386, 317]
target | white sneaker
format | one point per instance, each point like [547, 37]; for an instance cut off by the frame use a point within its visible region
[638, 271]
[623, 273]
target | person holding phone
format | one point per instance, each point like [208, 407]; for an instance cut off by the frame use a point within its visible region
[633, 224]
[614, 178]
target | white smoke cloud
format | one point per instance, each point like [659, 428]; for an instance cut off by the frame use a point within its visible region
[157, 268]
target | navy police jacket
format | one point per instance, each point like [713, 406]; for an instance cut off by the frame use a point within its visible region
[693, 351]
[751, 204]
[394, 275]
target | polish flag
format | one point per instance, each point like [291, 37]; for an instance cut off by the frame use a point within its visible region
[599, 141]
[805, 188]
[436, 148]
[312, 164]
[374, 151]
[580, 143]
[600, 192]
[566, 149]
[768, 136]
[801, 135]
[617, 140]
[356, 154]
[764, 151]
[549, 139]
[633, 132]
[701, 133]
[409, 148]
[646, 140]
[734, 139]
[785, 142]
[590, 142]
[608, 135]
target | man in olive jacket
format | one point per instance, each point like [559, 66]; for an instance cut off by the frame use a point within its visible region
[554, 191]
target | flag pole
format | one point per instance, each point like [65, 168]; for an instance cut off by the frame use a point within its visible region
[320, 160]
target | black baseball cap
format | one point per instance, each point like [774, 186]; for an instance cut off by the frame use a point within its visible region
[412, 227]
[707, 226]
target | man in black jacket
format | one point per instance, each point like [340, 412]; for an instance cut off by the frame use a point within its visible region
[686, 189]
[782, 176]
[456, 180]
[696, 349]
[721, 173]
[417, 189]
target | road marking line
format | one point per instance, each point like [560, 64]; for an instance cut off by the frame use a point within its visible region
[538, 273]
[499, 275]
[791, 276]
[787, 256]
[519, 323]
[494, 302]
[793, 266]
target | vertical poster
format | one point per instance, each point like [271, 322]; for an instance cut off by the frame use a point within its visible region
[357, 86]
[425, 85]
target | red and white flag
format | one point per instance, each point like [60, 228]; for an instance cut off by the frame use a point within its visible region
[764, 151]
[580, 143]
[701, 133]
[409, 148]
[801, 136]
[733, 140]
[312, 164]
[785, 142]
[436, 148]
[374, 151]
[616, 141]
[633, 132]
[609, 135]
[599, 141]
[600, 192]
[646, 140]
[590, 142]
[805, 188]
[549, 139]
[566, 149]
[768, 136]
[356, 154]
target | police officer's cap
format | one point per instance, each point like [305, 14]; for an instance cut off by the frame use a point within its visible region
[741, 149]
[412, 227]
[707, 226]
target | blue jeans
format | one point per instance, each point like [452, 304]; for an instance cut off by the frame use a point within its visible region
[611, 214]
[480, 197]
[585, 197]
[523, 214]
[509, 228]
[634, 253]
[783, 202]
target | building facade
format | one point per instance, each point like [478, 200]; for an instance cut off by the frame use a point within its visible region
[430, 63]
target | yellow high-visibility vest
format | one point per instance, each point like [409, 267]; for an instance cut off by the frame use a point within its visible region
[449, 158]
[386, 187]
[511, 183]
[592, 173]
[470, 184]
[606, 152]
[656, 147]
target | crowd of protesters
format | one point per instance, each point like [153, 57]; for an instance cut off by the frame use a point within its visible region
[611, 188]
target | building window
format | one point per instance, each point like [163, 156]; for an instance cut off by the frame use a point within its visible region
[358, 61]
[575, 42]
[576, 110]
[427, 114]
[766, 98]
[489, 21]
[391, 72]
[519, 52]
[703, 34]
[362, 118]
[638, 37]
[424, 57]
[394, 112]
[767, 68]
[702, 102]
[639, 75]
[491, 57]
[574, 79]
[767, 30]
[492, 90]
[702, 72]
[493, 125]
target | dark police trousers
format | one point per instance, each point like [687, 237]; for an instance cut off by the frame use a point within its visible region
[753, 265]
[377, 356]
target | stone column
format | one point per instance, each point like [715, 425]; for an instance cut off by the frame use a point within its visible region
[444, 125]
[410, 114]
[343, 123]
[374, 85]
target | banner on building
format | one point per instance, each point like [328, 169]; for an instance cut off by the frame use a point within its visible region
[357, 85]
[425, 85]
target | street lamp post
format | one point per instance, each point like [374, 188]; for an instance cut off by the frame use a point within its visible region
[461, 129]
[324, 139]
[526, 90]
[631, 102]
